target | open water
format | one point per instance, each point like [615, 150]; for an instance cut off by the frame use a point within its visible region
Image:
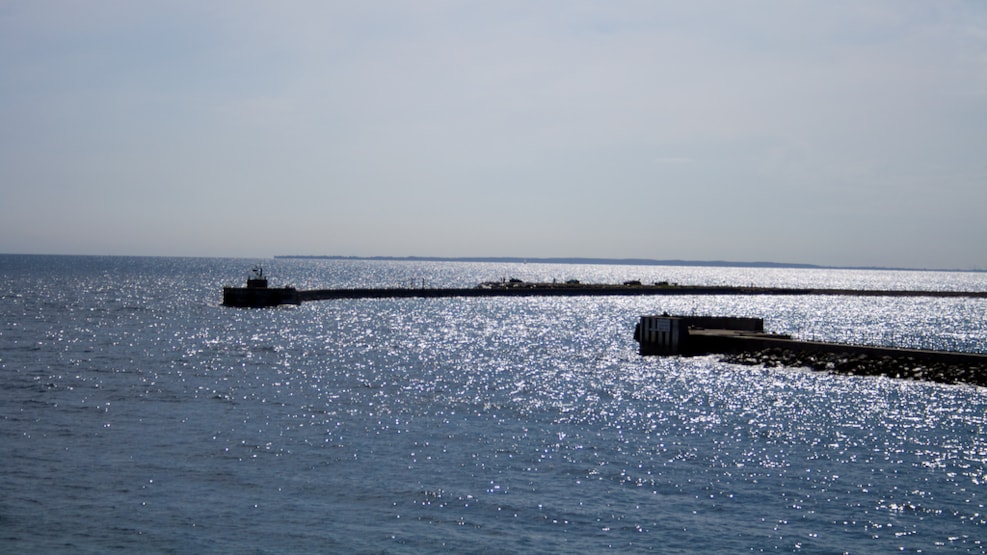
[138, 415]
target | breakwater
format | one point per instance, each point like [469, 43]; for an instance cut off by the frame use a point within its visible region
[930, 366]
[744, 341]
[257, 294]
[526, 289]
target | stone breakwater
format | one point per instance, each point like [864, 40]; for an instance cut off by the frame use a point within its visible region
[742, 340]
[261, 296]
[864, 364]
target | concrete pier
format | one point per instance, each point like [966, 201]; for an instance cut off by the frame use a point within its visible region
[743, 341]
[682, 335]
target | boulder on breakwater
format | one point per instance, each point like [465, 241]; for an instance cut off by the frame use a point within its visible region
[863, 364]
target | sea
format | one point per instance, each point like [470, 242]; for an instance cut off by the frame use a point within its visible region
[137, 414]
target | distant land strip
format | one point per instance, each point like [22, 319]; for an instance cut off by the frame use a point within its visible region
[612, 261]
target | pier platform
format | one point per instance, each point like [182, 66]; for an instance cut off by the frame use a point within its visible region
[258, 295]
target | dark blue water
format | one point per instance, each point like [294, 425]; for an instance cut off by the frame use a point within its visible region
[139, 415]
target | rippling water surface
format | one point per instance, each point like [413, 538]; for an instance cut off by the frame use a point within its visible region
[139, 415]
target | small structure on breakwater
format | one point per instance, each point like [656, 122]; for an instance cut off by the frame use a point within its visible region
[677, 335]
[257, 294]
[744, 341]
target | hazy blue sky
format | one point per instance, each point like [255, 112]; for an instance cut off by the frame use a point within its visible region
[828, 132]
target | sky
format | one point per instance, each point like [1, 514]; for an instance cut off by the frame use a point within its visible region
[831, 132]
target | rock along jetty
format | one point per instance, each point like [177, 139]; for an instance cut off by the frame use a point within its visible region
[744, 341]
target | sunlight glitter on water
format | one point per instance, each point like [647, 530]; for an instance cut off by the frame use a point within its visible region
[471, 424]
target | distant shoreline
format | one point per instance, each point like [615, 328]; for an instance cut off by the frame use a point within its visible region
[612, 261]
[533, 260]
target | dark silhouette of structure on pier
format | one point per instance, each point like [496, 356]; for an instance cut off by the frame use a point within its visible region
[257, 294]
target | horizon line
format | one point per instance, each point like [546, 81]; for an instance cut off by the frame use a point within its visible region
[539, 260]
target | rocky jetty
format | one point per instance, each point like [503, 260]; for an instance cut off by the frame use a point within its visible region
[864, 364]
